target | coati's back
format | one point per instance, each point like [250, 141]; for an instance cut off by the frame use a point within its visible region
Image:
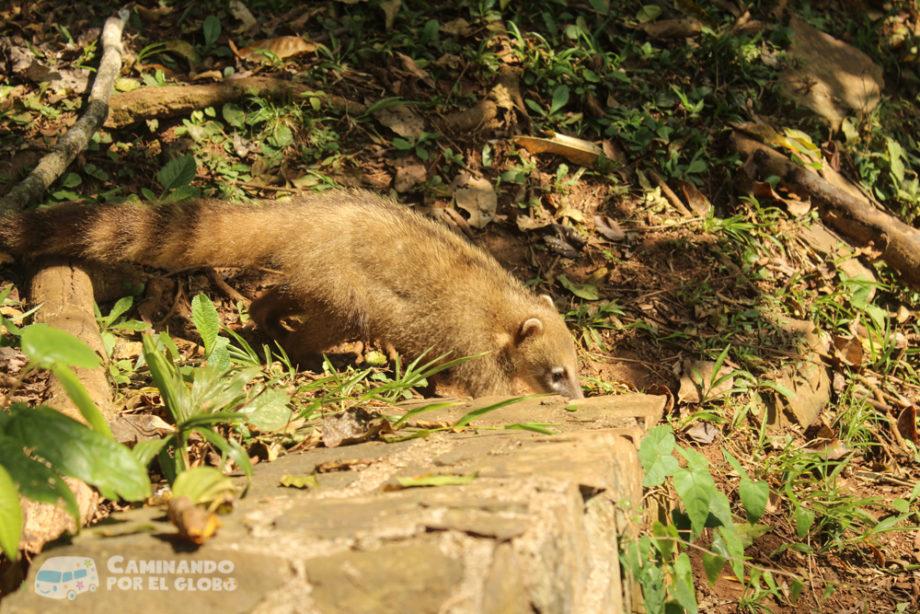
[355, 263]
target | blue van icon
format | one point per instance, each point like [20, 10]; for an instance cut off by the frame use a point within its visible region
[65, 577]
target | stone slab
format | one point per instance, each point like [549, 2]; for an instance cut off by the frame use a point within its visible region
[536, 530]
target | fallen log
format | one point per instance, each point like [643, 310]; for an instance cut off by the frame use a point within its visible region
[853, 216]
[125, 108]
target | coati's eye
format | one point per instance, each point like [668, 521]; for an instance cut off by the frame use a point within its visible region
[558, 375]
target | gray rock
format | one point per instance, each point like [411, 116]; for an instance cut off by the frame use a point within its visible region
[536, 530]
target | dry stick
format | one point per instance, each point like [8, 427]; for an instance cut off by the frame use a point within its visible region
[66, 291]
[852, 216]
[53, 164]
[180, 100]
[672, 198]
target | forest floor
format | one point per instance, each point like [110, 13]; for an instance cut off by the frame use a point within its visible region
[596, 149]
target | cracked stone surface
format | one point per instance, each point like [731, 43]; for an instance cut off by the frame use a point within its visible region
[537, 529]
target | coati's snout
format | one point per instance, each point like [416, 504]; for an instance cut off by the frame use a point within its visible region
[549, 356]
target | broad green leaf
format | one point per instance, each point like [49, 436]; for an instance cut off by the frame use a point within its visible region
[895, 155]
[282, 136]
[651, 579]
[220, 355]
[47, 346]
[682, 578]
[795, 589]
[233, 115]
[402, 144]
[713, 565]
[211, 29]
[77, 393]
[269, 411]
[119, 309]
[299, 481]
[804, 518]
[647, 13]
[165, 376]
[230, 449]
[727, 543]
[587, 291]
[560, 98]
[73, 449]
[696, 489]
[10, 516]
[145, 451]
[71, 180]
[600, 6]
[719, 508]
[206, 321]
[203, 485]
[754, 497]
[666, 537]
[131, 326]
[177, 173]
[656, 456]
[748, 532]
[36, 480]
[184, 193]
[695, 460]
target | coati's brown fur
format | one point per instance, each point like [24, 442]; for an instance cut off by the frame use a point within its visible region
[355, 265]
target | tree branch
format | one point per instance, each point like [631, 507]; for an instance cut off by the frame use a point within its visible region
[55, 162]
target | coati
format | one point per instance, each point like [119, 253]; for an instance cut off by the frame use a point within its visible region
[355, 264]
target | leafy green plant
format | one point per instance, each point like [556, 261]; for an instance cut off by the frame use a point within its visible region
[157, 79]
[660, 561]
[418, 145]
[591, 318]
[175, 178]
[203, 399]
[200, 402]
[211, 30]
[39, 445]
[111, 326]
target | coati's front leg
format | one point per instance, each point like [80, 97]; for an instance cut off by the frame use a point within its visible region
[304, 327]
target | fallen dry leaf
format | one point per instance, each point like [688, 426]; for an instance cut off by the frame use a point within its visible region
[703, 433]
[476, 196]
[195, 523]
[907, 424]
[282, 46]
[410, 65]
[697, 382]
[409, 173]
[402, 120]
[672, 28]
[571, 148]
[849, 350]
[242, 14]
[457, 27]
[353, 427]
[609, 228]
[697, 201]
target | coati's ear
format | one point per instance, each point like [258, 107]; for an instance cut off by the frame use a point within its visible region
[549, 300]
[530, 327]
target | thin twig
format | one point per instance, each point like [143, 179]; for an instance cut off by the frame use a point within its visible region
[55, 162]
